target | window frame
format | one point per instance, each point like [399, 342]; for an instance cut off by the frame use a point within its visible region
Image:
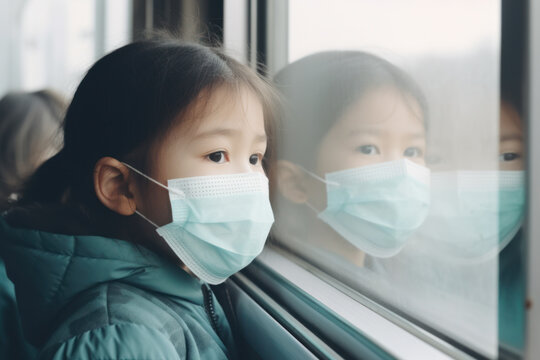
[532, 93]
[300, 287]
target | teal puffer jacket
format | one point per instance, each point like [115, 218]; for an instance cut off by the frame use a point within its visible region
[12, 343]
[90, 297]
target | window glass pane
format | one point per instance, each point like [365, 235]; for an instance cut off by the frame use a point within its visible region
[399, 171]
[57, 42]
[53, 42]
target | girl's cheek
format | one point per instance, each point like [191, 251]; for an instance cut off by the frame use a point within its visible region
[260, 169]
[420, 160]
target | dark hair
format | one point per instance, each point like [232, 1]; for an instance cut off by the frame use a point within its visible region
[125, 104]
[317, 89]
[30, 131]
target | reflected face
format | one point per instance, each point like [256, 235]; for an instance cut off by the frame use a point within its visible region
[384, 125]
[511, 146]
[229, 138]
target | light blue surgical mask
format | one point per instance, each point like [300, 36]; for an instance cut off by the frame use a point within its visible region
[220, 222]
[377, 207]
[474, 214]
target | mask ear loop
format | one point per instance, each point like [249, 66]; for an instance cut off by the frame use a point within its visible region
[311, 207]
[147, 219]
[175, 191]
[317, 177]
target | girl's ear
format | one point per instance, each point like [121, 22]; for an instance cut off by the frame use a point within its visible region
[291, 182]
[114, 187]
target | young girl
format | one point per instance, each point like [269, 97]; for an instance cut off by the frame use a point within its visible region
[351, 161]
[159, 189]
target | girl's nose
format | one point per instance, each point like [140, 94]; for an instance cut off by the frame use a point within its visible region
[394, 154]
[243, 166]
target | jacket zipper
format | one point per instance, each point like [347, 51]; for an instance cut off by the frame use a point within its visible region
[209, 308]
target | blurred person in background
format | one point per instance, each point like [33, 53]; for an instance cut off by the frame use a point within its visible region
[30, 133]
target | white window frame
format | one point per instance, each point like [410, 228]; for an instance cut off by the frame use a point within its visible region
[532, 345]
[400, 340]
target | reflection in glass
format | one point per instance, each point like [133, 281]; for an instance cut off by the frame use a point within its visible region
[352, 153]
[356, 198]
[512, 250]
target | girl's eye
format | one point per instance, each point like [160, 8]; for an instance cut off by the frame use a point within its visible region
[218, 157]
[509, 156]
[368, 150]
[413, 152]
[255, 158]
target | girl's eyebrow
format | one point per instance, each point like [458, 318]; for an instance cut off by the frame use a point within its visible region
[417, 135]
[511, 137]
[365, 132]
[379, 132]
[214, 132]
[261, 138]
[228, 132]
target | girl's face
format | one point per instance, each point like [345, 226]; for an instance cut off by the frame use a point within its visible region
[383, 125]
[228, 138]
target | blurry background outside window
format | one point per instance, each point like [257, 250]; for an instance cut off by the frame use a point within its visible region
[51, 43]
